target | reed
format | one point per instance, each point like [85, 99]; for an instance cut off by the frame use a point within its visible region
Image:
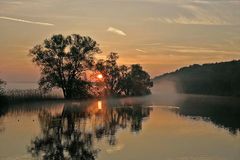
[30, 95]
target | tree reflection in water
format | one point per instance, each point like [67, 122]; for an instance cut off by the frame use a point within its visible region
[70, 134]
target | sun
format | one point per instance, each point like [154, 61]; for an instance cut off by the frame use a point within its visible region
[99, 76]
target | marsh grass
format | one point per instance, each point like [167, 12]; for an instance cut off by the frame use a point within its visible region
[30, 95]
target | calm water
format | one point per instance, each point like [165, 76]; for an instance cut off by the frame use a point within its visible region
[157, 127]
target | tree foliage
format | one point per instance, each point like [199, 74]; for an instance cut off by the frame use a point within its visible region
[138, 81]
[2, 84]
[110, 71]
[213, 79]
[122, 80]
[63, 62]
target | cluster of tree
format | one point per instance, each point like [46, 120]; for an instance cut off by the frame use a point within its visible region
[122, 80]
[214, 79]
[65, 61]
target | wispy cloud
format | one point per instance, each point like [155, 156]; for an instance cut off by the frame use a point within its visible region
[26, 21]
[116, 31]
[140, 50]
[193, 21]
[192, 14]
[216, 1]
[153, 44]
[199, 50]
[12, 2]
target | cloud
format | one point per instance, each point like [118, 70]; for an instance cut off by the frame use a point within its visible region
[153, 44]
[204, 21]
[12, 2]
[139, 50]
[216, 1]
[196, 14]
[116, 31]
[26, 21]
[191, 21]
[199, 50]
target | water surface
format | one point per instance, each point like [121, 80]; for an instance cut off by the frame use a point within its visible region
[155, 127]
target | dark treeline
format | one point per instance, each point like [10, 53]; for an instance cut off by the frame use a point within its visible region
[213, 79]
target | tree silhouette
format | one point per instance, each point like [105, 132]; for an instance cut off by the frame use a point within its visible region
[138, 81]
[3, 99]
[61, 139]
[63, 62]
[122, 80]
[110, 71]
[2, 84]
[70, 134]
[210, 79]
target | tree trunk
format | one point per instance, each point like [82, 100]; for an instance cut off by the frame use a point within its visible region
[67, 93]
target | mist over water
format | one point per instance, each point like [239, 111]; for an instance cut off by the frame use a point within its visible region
[159, 126]
[164, 87]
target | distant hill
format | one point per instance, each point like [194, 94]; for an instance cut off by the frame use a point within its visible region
[213, 79]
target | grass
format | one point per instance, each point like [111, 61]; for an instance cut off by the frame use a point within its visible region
[30, 95]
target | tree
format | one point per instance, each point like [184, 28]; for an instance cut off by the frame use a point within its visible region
[63, 62]
[110, 71]
[138, 81]
[122, 80]
[2, 84]
[220, 79]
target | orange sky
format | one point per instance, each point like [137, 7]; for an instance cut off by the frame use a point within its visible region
[161, 35]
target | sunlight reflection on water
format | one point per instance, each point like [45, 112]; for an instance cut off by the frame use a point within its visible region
[130, 128]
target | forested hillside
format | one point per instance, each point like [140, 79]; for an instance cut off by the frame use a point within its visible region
[214, 79]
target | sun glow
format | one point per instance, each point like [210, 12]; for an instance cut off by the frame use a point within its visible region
[99, 105]
[99, 76]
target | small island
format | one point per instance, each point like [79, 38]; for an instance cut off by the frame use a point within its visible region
[70, 64]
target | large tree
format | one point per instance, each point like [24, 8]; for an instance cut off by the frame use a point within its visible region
[63, 62]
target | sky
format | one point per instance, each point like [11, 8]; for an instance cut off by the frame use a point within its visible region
[161, 35]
